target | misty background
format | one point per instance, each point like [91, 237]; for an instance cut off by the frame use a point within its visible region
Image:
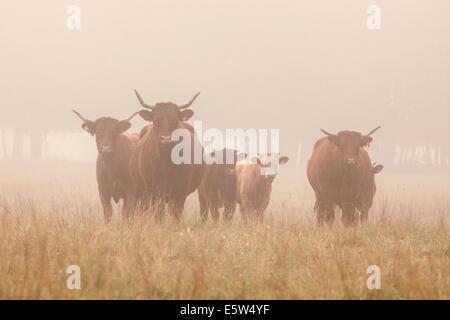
[293, 65]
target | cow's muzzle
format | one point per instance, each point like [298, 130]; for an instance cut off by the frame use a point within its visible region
[269, 177]
[165, 140]
[105, 149]
[230, 172]
[350, 162]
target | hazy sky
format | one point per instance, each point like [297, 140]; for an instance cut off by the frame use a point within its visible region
[293, 65]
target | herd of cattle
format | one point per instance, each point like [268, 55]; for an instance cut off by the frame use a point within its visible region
[138, 169]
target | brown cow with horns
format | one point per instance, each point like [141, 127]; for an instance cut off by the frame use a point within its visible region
[341, 173]
[151, 165]
[114, 151]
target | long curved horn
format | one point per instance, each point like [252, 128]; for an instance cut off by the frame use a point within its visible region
[327, 133]
[187, 105]
[80, 116]
[370, 133]
[141, 101]
[131, 117]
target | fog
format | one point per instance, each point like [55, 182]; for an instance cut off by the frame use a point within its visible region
[296, 66]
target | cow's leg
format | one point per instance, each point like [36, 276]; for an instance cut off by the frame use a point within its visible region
[145, 202]
[215, 212]
[243, 213]
[137, 203]
[228, 212]
[143, 205]
[249, 209]
[364, 214]
[214, 206]
[107, 208]
[127, 208]
[349, 215]
[320, 210]
[364, 207]
[159, 207]
[320, 215]
[253, 214]
[330, 215]
[176, 207]
[325, 212]
[260, 215]
[203, 208]
[133, 205]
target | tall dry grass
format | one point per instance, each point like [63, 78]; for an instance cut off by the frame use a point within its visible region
[50, 218]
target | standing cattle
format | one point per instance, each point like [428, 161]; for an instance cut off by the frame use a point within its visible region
[151, 165]
[218, 187]
[367, 193]
[254, 185]
[340, 172]
[114, 151]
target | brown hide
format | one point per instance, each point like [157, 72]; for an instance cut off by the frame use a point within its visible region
[254, 189]
[218, 187]
[367, 194]
[151, 166]
[114, 151]
[339, 170]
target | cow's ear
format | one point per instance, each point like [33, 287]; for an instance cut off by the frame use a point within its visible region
[89, 126]
[146, 115]
[377, 168]
[283, 160]
[123, 126]
[186, 114]
[241, 156]
[365, 141]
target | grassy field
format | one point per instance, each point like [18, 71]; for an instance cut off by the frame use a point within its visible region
[50, 218]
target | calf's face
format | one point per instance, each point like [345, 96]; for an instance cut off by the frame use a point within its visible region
[268, 171]
[226, 160]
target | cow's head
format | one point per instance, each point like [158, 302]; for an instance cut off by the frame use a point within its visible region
[105, 130]
[166, 117]
[227, 160]
[269, 171]
[349, 143]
